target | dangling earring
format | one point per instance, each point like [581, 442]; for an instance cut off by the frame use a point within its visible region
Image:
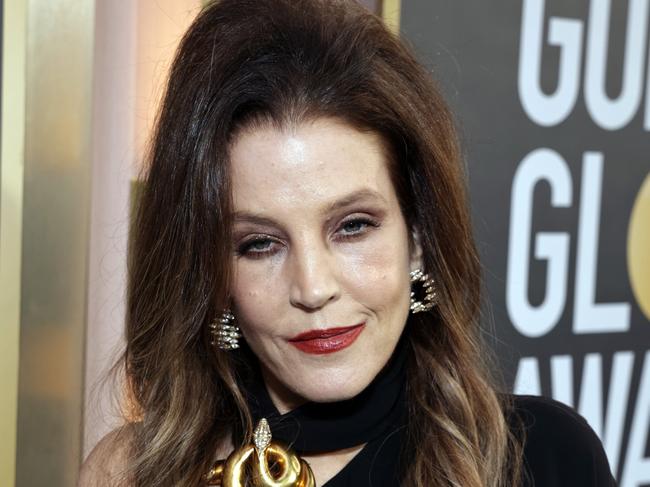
[427, 286]
[225, 332]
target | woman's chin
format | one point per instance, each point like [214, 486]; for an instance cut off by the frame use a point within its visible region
[332, 390]
[297, 383]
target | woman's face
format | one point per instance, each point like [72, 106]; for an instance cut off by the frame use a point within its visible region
[321, 258]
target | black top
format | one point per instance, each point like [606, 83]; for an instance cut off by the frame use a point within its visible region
[561, 449]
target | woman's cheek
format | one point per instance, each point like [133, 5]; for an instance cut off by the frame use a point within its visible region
[377, 268]
[254, 277]
[251, 297]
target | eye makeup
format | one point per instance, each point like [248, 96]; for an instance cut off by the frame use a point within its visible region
[260, 245]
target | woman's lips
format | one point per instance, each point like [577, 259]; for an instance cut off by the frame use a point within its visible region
[327, 341]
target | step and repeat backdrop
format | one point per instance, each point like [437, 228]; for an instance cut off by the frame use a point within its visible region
[553, 106]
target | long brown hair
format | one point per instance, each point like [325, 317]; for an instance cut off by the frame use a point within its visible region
[287, 61]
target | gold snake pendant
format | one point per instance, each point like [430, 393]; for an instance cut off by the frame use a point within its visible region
[292, 471]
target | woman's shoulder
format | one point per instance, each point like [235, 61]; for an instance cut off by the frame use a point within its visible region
[560, 447]
[107, 462]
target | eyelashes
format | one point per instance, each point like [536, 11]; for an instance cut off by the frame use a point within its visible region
[257, 245]
[355, 227]
[262, 245]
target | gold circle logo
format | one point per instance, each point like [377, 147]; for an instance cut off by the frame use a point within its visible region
[638, 248]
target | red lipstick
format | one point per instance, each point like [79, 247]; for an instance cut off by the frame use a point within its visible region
[327, 341]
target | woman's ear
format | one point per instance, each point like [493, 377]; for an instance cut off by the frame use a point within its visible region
[416, 250]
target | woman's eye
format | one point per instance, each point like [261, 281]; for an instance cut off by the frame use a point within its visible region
[256, 247]
[357, 226]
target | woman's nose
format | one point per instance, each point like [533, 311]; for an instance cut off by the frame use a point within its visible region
[314, 281]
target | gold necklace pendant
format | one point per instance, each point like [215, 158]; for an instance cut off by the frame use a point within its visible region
[288, 470]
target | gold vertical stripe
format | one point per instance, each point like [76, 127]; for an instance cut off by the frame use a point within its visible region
[390, 12]
[55, 242]
[11, 212]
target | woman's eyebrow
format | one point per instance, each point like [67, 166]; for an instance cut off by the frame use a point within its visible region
[355, 197]
[359, 196]
[245, 217]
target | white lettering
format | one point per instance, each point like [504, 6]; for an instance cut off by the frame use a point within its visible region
[589, 316]
[591, 392]
[562, 379]
[527, 378]
[607, 113]
[646, 124]
[592, 401]
[548, 110]
[548, 165]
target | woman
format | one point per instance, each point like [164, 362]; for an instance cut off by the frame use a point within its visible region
[302, 252]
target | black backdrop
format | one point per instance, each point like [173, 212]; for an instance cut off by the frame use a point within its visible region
[553, 105]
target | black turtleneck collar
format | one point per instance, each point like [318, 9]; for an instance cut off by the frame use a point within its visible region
[320, 427]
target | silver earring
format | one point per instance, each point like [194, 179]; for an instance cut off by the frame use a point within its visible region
[427, 286]
[225, 333]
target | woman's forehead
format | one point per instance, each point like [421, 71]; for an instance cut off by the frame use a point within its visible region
[316, 163]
